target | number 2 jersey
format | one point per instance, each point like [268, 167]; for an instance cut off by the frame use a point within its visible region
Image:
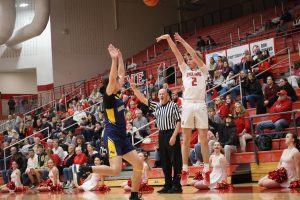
[194, 83]
[114, 114]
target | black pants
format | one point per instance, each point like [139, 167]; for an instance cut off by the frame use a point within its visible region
[170, 156]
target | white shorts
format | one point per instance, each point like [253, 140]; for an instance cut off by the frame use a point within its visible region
[194, 115]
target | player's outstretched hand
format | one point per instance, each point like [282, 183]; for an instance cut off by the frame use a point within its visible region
[163, 37]
[113, 52]
[178, 38]
[119, 53]
[132, 85]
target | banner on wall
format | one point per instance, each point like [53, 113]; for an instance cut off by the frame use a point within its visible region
[139, 78]
[215, 55]
[234, 55]
[263, 45]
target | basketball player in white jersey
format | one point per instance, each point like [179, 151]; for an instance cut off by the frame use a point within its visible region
[194, 110]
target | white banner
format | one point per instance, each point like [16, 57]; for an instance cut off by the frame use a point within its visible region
[215, 55]
[234, 55]
[263, 45]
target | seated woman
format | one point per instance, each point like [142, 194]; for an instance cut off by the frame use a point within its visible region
[144, 187]
[242, 125]
[15, 184]
[285, 85]
[219, 171]
[91, 182]
[294, 79]
[286, 170]
[52, 184]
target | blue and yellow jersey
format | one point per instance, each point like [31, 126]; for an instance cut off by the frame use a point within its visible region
[114, 114]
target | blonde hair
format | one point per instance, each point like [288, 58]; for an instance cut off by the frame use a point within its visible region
[240, 114]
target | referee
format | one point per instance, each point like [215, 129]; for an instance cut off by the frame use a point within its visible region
[168, 122]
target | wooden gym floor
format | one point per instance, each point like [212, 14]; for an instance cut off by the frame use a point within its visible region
[240, 192]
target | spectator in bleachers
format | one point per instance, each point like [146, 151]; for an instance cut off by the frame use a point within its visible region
[37, 141]
[270, 94]
[67, 166]
[281, 27]
[228, 84]
[230, 103]
[285, 85]
[153, 97]
[253, 90]
[141, 121]
[286, 16]
[218, 80]
[247, 65]
[221, 108]
[80, 157]
[129, 117]
[81, 143]
[55, 157]
[226, 69]
[242, 125]
[11, 133]
[261, 68]
[133, 107]
[210, 43]
[42, 170]
[227, 136]
[277, 122]
[213, 116]
[69, 124]
[79, 115]
[25, 147]
[11, 105]
[200, 46]
[294, 79]
[46, 124]
[212, 66]
[92, 154]
[71, 110]
[178, 100]
[58, 150]
[62, 103]
[133, 133]
[97, 135]
[32, 164]
[95, 95]
[151, 80]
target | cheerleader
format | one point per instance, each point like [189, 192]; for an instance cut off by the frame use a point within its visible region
[286, 173]
[218, 175]
[91, 182]
[15, 185]
[52, 184]
[144, 187]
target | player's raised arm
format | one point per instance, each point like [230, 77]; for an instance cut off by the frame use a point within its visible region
[121, 68]
[113, 52]
[192, 53]
[174, 49]
[138, 94]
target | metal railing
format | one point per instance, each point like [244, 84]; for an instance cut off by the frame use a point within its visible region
[4, 149]
[251, 118]
[132, 134]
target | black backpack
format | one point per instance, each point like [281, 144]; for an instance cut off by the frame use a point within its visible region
[264, 142]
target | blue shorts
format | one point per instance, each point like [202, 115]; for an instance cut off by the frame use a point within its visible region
[117, 144]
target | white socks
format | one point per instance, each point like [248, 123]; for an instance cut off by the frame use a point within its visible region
[206, 167]
[185, 168]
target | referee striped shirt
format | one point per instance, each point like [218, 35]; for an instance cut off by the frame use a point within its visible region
[166, 115]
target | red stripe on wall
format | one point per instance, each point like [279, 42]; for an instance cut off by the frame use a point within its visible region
[45, 87]
[7, 96]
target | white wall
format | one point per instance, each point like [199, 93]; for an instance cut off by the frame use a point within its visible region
[18, 82]
[82, 52]
[35, 53]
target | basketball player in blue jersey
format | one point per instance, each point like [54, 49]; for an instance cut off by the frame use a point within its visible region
[118, 145]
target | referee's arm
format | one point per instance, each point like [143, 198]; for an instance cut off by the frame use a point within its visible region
[138, 94]
[176, 115]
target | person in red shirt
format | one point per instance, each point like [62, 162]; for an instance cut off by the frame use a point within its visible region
[151, 80]
[221, 108]
[278, 121]
[80, 157]
[178, 100]
[242, 125]
[230, 103]
[56, 159]
[133, 108]
[134, 99]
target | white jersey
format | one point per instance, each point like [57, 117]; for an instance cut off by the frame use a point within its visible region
[194, 83]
